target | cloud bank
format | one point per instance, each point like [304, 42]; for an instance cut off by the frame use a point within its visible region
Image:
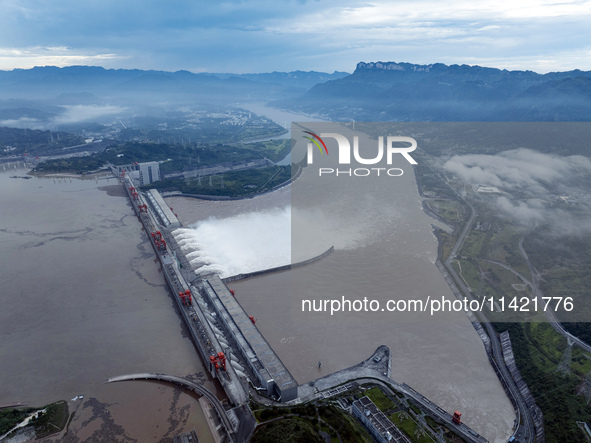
[532, 184]
[71, 115]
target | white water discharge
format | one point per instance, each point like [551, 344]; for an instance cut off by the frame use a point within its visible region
[244, 243]
[259, 240]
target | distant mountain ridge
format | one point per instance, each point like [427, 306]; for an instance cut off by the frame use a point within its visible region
[376, 91]
[393, 91]
[299, 79]
[51, 81]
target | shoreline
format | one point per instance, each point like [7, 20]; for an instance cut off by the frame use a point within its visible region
[229, 198]
[81, 176]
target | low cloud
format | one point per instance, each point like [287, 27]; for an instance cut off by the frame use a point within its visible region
[72, 114]
[519, 169]
[24, 122]
[524, 211]
[531, 182]
[83, 113]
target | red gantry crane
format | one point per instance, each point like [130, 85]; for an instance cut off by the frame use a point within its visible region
[185, 297]
[159, 241]
[134, 193]
[218, 361]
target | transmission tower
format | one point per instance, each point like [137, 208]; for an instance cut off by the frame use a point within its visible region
[420, 429]
[566, 360]
[585, 388]
[424, 426]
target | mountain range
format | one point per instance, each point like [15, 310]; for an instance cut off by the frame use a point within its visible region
[375, 91]
[50, 81]
[390, 91]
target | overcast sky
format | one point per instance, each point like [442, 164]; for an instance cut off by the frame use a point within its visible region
[283, 35]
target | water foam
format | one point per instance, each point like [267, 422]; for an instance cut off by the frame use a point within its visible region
[237, 245]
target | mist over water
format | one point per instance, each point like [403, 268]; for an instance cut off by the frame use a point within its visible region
[240, 244]
[255, 241]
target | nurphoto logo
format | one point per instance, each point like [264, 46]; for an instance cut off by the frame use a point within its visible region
[393, 146]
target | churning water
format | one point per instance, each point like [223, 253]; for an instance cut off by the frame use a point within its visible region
[240, 244]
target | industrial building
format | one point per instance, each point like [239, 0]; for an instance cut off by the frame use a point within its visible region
[165, 215]
[141, 173]
[262, 361]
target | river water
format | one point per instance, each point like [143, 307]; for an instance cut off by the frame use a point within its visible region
[82, 299]
[384, 253]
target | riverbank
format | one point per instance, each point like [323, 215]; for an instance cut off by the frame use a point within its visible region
[231, 198]
[82, 176]
[34, 423]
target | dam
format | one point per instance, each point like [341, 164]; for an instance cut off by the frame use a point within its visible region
[233, 348]
[226, 338]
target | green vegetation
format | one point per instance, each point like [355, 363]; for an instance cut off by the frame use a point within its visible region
[504, 247]
[34, 142]
[53, 420]
[175, 157]
[476, 244]
[466, 269]
[72, 164]
[446, 243]
[538, 349]
[326, 418]
[263, 413]
[406, 424]
[565, 263]
[199, 126]
[429, 181]
[274, 150]
[10, 417]
[179, 158]
[380, 399]
[343, 425]
[289, 429]
[235, 184]
[452, 211]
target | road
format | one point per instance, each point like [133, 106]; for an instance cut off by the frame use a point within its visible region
[534, 284]
[527, 431]
[537, 292]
